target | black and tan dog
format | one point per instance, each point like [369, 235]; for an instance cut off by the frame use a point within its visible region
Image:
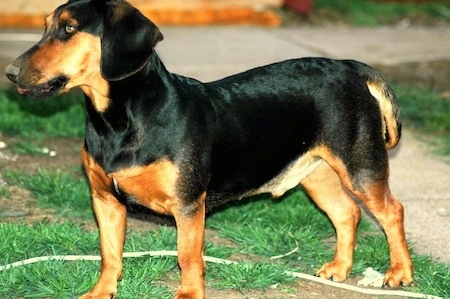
[179, 146]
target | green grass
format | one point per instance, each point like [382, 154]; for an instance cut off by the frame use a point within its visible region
[57, 190]
[428, 113]
[247, 275]
[431, 277]
[270, 227]
[144, 277]
[425, 110]
[59, 279]
[267, 227]
[28, 147]
[62, 116]
[371, 13]
[4, 192]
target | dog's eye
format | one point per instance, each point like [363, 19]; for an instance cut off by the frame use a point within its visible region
[69, 29]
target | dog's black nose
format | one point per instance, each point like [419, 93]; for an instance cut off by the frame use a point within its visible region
[12, 72]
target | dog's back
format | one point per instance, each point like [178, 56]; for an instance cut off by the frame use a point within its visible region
[262, 121]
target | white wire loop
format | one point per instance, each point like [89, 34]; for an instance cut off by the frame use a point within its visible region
[381, 292]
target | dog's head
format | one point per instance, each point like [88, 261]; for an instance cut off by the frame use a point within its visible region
[86, 42]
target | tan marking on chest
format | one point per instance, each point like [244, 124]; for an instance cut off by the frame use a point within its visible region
[153, 186]
[291, 176]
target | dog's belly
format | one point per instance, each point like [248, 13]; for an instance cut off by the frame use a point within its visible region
[286, 179]
[290, 177]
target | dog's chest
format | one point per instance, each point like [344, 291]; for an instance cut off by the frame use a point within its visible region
[135, 145]
[153, 186]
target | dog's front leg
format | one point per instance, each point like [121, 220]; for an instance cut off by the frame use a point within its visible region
[190, 243]
[111, 220]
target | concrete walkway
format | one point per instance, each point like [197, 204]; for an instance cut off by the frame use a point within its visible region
[420, 179]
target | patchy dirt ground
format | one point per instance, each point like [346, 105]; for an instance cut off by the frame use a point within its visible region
[434, 74]
[428, 74]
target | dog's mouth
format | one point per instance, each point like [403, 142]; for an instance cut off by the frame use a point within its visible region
[50, 88]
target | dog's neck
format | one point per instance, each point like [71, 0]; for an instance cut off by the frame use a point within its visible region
[114, 105]
[99, 95]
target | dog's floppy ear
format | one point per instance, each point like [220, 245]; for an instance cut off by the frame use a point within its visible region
[128, 39]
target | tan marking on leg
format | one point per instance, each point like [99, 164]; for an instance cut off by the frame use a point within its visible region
[389, 212]
[190, 241]
[377, 197]
[111, 219]
[154, 186]
[325, 188]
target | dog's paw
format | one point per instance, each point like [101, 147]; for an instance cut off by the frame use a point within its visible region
[198, 294]
[398, 276]
[336, 271]
[96, 295]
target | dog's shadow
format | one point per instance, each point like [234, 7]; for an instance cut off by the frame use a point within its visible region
[145, 214]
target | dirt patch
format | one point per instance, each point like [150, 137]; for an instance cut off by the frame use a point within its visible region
[17, 204]
[57, 153]
[331, 17]
[427, 74]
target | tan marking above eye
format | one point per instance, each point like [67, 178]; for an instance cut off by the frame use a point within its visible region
[66, 21]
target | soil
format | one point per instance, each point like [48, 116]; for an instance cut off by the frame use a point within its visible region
[427, 74]
[433, 74]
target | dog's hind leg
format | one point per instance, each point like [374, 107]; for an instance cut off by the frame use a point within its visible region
[389, 213]
[370, 185]
[325, 188]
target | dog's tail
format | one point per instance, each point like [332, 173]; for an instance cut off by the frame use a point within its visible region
[390, 112]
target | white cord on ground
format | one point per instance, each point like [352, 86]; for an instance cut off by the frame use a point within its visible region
[220, 261]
